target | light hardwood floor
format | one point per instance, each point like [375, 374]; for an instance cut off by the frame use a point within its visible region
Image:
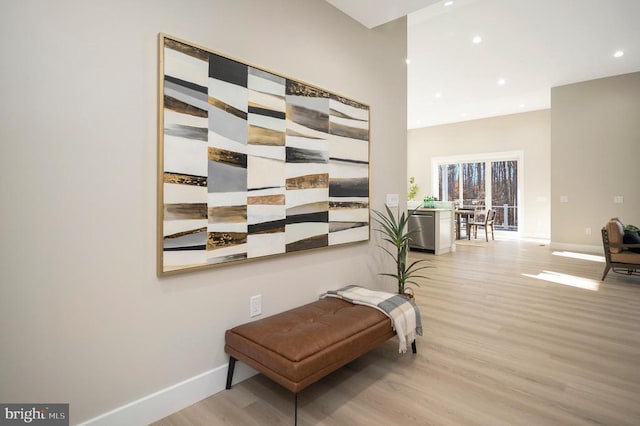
[501, 346]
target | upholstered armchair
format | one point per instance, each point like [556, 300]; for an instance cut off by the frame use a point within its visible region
[620, 257]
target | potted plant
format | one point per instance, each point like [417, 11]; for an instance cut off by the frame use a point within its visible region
[395, 231]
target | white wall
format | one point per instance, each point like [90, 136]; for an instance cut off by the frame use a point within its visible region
[528, 132]
[84, 318]
[595, 155]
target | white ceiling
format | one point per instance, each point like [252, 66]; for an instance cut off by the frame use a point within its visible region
[372, 13]
[533, 45]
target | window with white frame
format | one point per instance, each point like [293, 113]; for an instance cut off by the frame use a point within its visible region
[490, 181]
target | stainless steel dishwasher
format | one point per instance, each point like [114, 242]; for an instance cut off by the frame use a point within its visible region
[422, 225]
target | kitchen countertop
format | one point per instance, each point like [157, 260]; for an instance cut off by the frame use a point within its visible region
[428, 209]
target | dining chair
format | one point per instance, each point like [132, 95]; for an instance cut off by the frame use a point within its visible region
[485, 220]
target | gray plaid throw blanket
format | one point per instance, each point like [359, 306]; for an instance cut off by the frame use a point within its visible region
[405, 315]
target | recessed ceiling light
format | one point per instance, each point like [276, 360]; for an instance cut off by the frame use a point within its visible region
[502, 82]
[521, 105]
[408, 61]
[438, 95]
[618, 54]
[477, 39]
[448, 2]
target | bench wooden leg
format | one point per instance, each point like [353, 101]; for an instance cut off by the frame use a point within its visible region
[413, 347]
[232, 366]
[295, 412]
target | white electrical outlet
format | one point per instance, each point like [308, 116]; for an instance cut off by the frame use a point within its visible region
[587, 231]
[255, 305]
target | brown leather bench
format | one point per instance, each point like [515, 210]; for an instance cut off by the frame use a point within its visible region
[300, 346]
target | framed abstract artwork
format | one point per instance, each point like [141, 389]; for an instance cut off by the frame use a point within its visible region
[253, 164]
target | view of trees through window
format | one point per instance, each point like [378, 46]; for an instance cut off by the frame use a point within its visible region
[449, 178]
[473, 183]
[504, 192]
[467, 184]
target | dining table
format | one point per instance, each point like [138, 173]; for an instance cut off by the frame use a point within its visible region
[463, 215]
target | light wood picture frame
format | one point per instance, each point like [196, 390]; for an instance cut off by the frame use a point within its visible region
[253, 164]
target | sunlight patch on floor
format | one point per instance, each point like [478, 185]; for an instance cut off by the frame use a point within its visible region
[564, 279]
[516, 236]
[582, 256]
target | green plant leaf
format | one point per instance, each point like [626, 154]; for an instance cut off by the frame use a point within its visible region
[394, 231]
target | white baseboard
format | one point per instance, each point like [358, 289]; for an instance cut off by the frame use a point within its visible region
[174, 398]
[580, 248]
[533, 236]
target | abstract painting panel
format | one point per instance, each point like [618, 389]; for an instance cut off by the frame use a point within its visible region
[253, 164]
